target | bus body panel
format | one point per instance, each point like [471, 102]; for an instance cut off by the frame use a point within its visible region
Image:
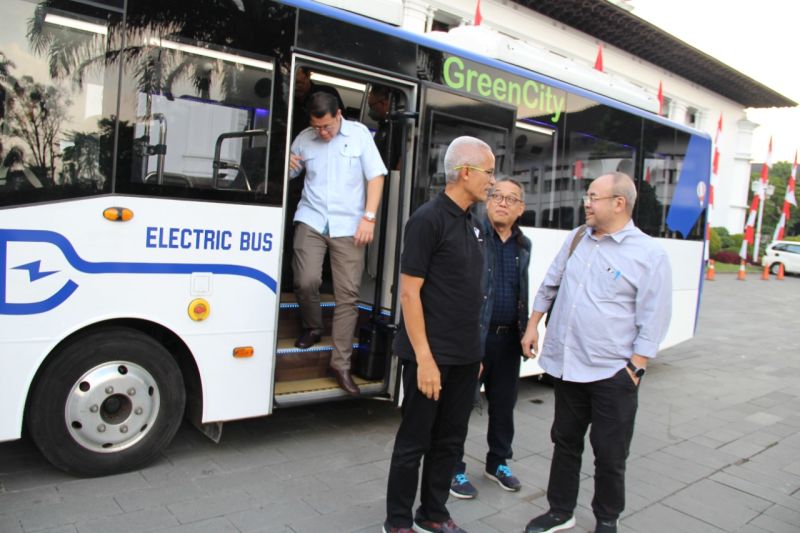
[91, 270]
[65, 269]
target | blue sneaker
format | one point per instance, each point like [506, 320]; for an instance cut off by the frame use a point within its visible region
[461, 488]
[504, 478]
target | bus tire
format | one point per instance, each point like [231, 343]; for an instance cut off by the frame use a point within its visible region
[107, 402]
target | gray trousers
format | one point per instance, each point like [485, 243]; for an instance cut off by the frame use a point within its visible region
[347, 265]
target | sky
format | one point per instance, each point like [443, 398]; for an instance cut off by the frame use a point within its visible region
[759, 38]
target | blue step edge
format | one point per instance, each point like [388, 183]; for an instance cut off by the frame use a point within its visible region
[325, 348]
[363, 307]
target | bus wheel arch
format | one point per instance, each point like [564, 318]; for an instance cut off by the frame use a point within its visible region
[110, 397]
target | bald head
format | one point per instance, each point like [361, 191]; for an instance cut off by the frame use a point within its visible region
[461, 152]
[623, 186]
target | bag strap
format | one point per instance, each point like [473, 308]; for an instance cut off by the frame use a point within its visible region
[574, 244]
[576, 239]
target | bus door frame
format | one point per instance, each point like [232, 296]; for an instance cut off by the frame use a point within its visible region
[398, 181]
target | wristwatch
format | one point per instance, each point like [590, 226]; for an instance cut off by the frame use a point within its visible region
[369, 216]
[638, 372]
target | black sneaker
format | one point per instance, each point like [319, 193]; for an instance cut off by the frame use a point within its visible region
[606, 527]
[426, 526]
[550, 522]
[505, 479]
[460, 487]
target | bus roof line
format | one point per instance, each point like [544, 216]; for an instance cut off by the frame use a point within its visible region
[382, 27]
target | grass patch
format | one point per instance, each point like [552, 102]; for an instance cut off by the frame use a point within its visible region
[727, 267]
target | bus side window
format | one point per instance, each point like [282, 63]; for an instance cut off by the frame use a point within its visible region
[56, 112]
[200, 127]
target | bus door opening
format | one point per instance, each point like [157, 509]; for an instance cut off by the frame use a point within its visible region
[302, 374]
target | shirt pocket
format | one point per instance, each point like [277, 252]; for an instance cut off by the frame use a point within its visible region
[610, 283]
[350, 153]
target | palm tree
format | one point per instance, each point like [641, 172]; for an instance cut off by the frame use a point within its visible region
[227, 24]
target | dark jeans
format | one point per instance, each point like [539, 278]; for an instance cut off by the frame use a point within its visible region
[436, 431]
[500, 377]
[609, 405]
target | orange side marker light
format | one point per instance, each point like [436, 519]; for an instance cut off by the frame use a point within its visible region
[242, 352]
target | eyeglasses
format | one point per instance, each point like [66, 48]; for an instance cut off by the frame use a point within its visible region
[488, 171]
[589, 200]
[327, 128]
[498, 198]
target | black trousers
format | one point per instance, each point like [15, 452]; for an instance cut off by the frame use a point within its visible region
[500, 377]
[609, 405]
[436, 431]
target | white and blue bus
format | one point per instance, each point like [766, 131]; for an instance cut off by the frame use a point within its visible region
[145, 205]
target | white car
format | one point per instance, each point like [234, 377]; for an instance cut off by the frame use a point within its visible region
[782, 252]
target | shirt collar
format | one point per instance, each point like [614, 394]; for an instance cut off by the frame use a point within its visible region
[450, 206]
[619, 235]
[513, 237]
[346, 128]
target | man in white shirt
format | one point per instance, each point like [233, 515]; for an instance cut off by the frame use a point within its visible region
[336, 213]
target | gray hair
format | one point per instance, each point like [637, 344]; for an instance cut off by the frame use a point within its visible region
[623, 186]
[461, 152]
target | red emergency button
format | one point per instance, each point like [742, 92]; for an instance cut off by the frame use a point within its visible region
[199, 309]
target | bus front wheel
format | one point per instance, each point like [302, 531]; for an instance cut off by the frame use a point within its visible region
[107, 402]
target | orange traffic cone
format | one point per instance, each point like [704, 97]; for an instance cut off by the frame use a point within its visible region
[740, 275]
[710, 270]
[765, 273]
[780, 271]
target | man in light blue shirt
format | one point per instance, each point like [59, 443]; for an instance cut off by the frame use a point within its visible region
[613, 309]
[336, 214]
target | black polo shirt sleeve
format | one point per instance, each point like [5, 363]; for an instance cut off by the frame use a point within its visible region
[420, 241]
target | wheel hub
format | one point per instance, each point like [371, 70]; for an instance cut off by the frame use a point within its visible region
[112, 406]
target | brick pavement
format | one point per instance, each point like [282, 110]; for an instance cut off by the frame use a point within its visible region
[715, 450]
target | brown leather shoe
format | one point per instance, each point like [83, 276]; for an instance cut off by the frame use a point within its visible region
[345, 381]
[307, 339]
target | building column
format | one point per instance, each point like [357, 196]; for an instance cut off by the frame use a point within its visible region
[677, 111]
[417, 16]
[737, 176]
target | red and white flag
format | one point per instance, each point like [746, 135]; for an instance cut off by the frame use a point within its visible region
[712, 185]
[790, 187]
[788, 201]
[765, 172]
[598, 62]
[749, 228]
[750, 225]
[577, 172]
[478, 16]
[660, 98]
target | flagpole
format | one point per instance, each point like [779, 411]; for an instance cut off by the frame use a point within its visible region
[762, 196]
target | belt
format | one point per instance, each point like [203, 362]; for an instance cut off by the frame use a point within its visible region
[498, 329]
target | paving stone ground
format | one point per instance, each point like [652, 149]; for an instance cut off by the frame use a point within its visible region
[716, 449]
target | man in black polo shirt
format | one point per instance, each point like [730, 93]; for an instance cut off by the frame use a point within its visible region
[439, 339]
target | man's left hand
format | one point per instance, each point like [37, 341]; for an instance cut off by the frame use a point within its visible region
[364, 233]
